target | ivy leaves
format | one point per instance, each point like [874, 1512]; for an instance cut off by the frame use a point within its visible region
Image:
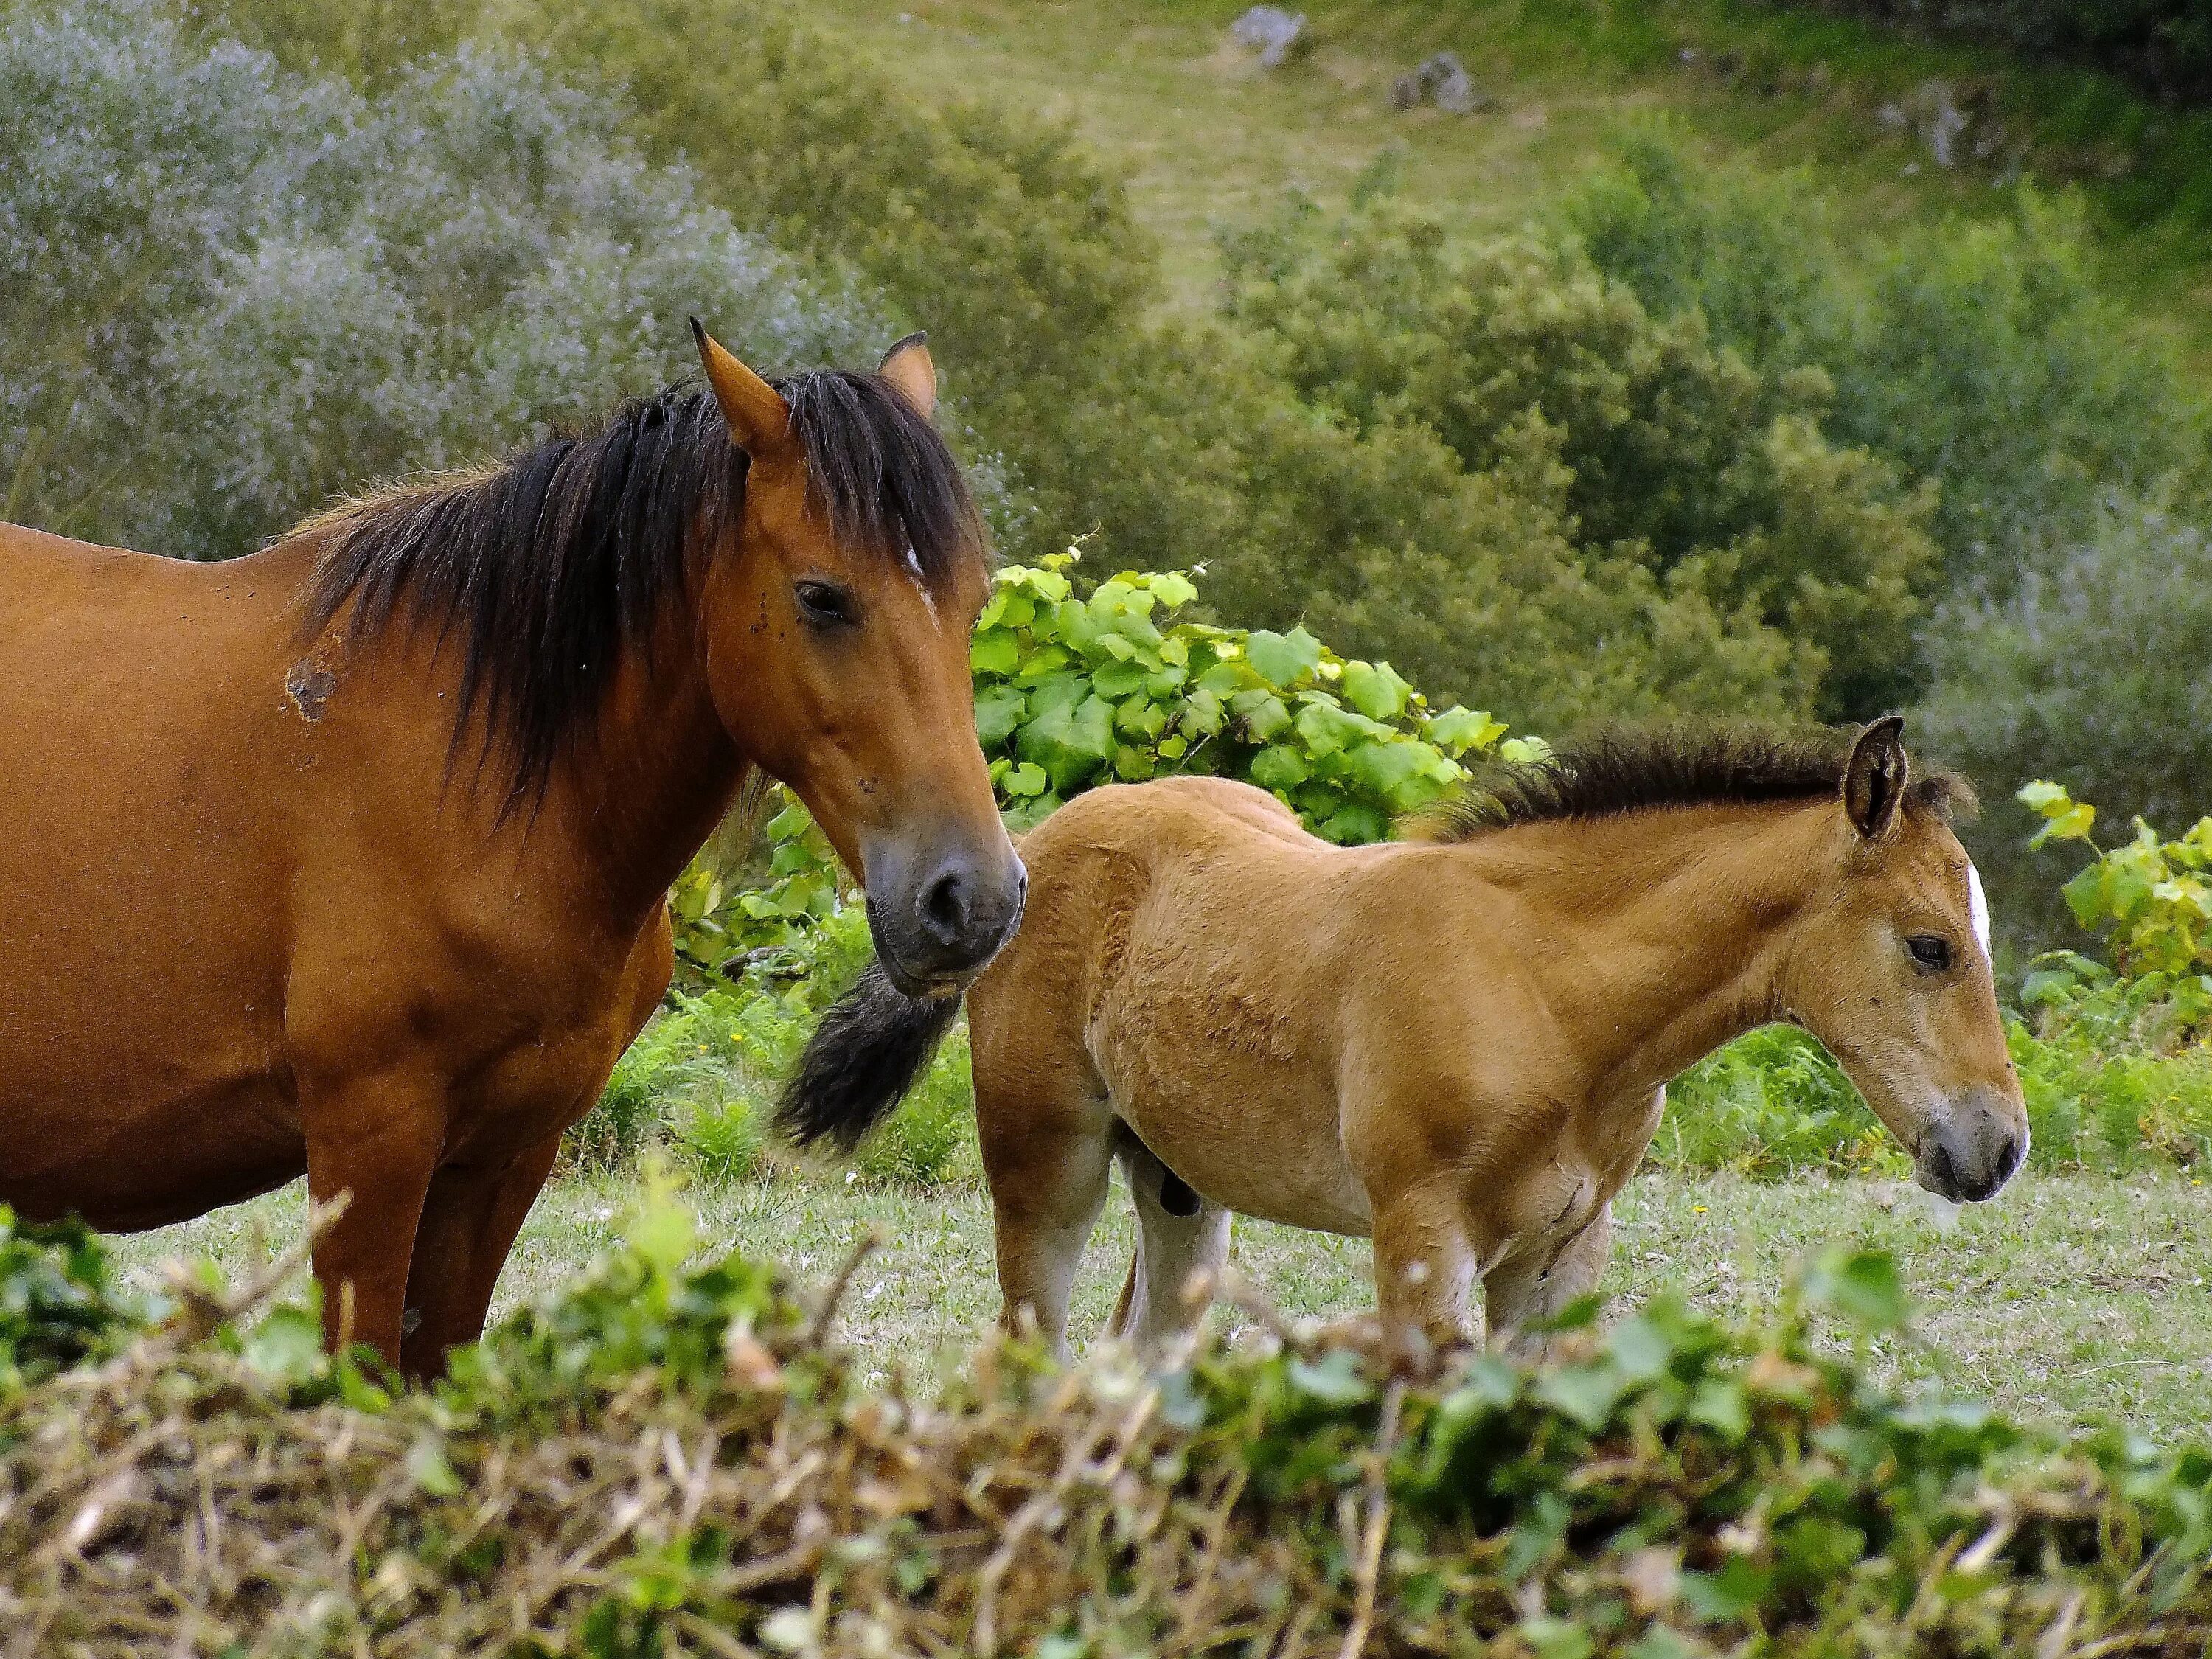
[1073, 692]
[2150, 896]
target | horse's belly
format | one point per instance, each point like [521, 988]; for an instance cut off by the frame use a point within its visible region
[1276, 1155]
[126, 1153]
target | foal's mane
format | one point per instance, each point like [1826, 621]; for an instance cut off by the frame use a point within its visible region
[1613, 770]
[549, 564]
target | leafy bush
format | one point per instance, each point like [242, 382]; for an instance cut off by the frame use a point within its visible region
[232, 290]
[1773, 1104]
[1985, 357]
[60, 1306]
[1075, 691]
[2149, 896]
[700, 1083]
[2164, 45]
[1658, 453]
[2111, 1082]
[695, 1079]
[665, 1457]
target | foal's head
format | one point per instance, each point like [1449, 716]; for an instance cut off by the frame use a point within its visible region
[1890, 968]
[836, 630]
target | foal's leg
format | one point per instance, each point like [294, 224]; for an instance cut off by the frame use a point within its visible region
[1171, 1249]
[1519, 1293]
[1047, 1160]
[1424, 1261]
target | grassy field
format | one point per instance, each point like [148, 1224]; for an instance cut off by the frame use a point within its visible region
[2073, 1300]
[1212, 138]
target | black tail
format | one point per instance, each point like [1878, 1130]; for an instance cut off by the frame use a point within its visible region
[870, 1048]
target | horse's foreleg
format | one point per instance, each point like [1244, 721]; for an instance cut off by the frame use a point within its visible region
[1048, 1182]
[368, 1142]
[1519, 1293]
[1424, 1263]
[470, 1221]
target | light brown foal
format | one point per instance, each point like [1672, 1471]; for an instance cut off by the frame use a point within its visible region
[1459, 1044]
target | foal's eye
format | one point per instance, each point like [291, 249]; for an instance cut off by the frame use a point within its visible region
[825, 605]
[1930, 952]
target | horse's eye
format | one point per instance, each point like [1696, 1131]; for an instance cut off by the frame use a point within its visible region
[825, 605]
[1930, 952]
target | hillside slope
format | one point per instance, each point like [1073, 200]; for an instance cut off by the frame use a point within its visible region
[1213, 137]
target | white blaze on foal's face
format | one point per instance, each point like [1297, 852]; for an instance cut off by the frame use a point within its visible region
[1977, 906]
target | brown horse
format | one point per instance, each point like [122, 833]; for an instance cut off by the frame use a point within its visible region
[1457, 1045]
[350, 857]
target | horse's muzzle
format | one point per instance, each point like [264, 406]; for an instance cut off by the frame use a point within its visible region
[938, 922]
[1974, 1149]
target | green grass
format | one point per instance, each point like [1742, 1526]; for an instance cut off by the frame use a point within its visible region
[1212, 138]
[2073, 1300]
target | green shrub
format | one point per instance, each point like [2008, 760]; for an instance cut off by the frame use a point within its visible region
[2163, 46]
[232, 290]
[2150, 898]
[668, 1457]
[1985, 357]
[1772, 1104]
[60, 1305]
[1655, 450]
[698, 1081]
[700, 1084]
[930, 1137]
[2110, 1087]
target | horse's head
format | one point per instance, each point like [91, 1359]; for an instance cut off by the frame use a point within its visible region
[1893, 973]
[835, 634]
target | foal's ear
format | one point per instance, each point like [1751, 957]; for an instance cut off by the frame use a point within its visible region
[908, 367]
[760, 419]
[1874, 781]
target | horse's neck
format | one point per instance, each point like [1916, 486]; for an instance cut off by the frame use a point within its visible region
[660, 774]
[1677, 925]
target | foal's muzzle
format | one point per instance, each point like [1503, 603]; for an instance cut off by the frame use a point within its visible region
[940, 917]
[1974, 1149]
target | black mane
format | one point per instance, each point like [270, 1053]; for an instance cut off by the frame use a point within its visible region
[1612, 770]
[551, 564]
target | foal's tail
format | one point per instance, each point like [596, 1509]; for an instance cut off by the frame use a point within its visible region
[870, 1048]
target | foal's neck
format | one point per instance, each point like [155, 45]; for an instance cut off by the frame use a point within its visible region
[1676, 925]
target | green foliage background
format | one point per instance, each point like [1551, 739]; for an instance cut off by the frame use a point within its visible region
[1676, 448]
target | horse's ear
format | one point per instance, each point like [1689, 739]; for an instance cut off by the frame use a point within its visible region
[1874, 781]
[908, 367]
[760, 419]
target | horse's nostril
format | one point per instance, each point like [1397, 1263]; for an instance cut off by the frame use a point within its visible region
[2009, 1160]
[1945, 1171]
[944, 907]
